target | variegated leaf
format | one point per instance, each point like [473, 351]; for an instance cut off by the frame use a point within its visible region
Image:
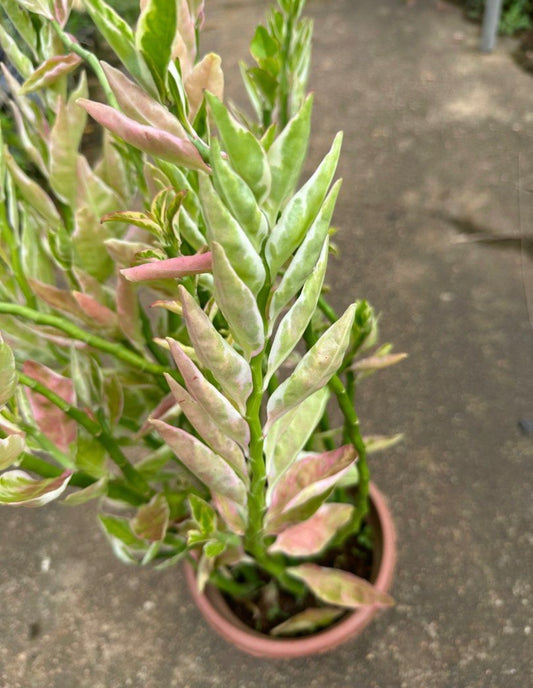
[311, 536]
[245, 152]
[238, 197]
[293, 325]
[305, 258]
[8, 373]
[154, 37]
[315, 369]
[377, 362]
[230, 369]
[151, 520]
[208, 430]
[286, 156]
[235, 299]
[308, 621]
[92, 491]
[128, 310]
[206, 75]
[156, 142]
[335, 586]
[300, 211]
[207, 466]
[52, 69]
[233, 514]
[288, 436]
[32, 193]
[139, 106]
[171, 268]
[221, 411]
[10, 450]
[51, 420]
[224, 229]
[17, 488]
[88, 244]
[65, 138]
[305, 485]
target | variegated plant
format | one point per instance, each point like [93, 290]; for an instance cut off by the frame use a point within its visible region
[173, 347]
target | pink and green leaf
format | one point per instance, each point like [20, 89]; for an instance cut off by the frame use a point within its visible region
[206, 75]
[151, 521]
[51, 420]
[18, 488]
[215, 354]
[148, 139]
[11, 449]
[8, 373]
[171, 268]
[342, 588]
[315, 369]
[207, 466]
[49, 72]
[312, 619]
[220, 410]
[309, 537]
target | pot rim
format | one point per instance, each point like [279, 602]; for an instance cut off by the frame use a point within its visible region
[221, 618]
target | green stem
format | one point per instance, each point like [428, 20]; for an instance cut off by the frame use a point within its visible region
[112, 348]
[90, 59]
[116, 454]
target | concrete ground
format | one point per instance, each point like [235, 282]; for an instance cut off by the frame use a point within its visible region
[435, 216]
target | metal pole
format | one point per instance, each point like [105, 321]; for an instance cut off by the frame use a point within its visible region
[491, 19]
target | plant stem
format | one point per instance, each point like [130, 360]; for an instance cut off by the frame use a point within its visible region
[112, 348]
[90, 59]
[134, 478]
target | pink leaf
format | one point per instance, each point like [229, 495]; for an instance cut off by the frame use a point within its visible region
[95, 311]
[172, 268]
[50, 70]
[52, 422]
[339, 587]
[311, 536]
[153, 141]
[305, 485]
[231, 513]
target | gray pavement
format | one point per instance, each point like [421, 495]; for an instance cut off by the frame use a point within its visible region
[435, 216]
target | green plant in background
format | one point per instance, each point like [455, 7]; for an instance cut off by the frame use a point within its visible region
[517, 15]
[166, 342]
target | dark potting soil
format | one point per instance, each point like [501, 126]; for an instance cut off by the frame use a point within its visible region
[270, 605]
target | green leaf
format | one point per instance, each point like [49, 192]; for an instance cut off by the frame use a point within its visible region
[21, 20]
[315, 369]
[90, 457]
[288, 435]
[207, 466]
[305, 257]
[300, 211]
[93, 491]
[245, 152]
[238, 197]
[119, 529]
[10, 450]
[234, 298]
[229, 368]
[18, 59]
[204, 515]
[32, 193]
[339, 587]
[293, 325]
[154, 37]
[286, 156]
[225, 230]
[89, 247]
[8, 373]
[213, 548]
[17, 488]
[262, 45]
[120, 37]
[42, 7]
[151, 521]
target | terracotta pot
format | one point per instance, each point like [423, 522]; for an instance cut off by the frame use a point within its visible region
[217, 613]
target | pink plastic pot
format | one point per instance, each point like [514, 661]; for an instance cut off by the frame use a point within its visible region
[220, 617]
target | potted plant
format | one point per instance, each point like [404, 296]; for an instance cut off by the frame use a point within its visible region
[167, 346]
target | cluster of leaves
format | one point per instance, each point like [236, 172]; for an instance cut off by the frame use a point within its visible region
[517, 15]
[203, 404]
